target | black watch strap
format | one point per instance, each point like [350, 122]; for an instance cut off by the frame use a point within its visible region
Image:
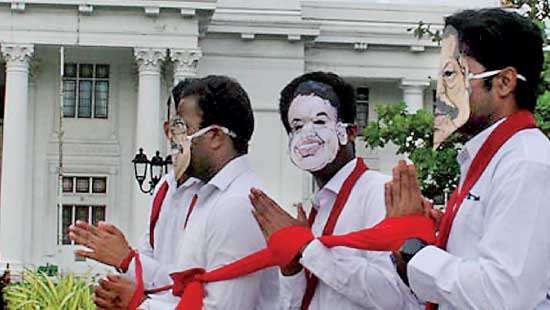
[409, 249]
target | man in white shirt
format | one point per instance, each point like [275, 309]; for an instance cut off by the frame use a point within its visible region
[171, 200]
[493, 248]
[221, 228]
[318, 111]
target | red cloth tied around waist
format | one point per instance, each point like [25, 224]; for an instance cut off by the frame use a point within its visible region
[285, 244]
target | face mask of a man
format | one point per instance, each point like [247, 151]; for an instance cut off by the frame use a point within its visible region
[180, 146]
[453, 107]
[315, 135]
[453, 93]
[180, 143]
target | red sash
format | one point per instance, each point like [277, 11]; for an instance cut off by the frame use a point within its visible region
[285, 244]
[155, 211]
[339, 204]
[504, 131]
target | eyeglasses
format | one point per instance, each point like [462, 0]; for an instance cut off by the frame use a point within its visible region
[179, 128]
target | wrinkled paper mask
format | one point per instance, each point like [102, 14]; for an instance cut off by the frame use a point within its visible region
[452, 106]
[315, 134]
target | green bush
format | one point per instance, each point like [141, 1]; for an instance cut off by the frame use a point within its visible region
[438, 171]
[38, 291]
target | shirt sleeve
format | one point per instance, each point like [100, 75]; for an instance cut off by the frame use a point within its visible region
[232, 234]
[146, 252]
[513, 266]
[292, 291]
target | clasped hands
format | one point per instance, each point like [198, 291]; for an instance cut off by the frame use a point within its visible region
[402, 197]
[108, 245]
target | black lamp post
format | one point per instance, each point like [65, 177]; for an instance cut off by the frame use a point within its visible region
[157, 167]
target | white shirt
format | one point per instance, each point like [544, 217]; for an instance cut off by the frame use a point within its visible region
[221, 229]
[348, 278]
[498, 253]
[158, 262]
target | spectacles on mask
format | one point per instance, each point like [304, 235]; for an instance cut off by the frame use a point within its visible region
[487, 74]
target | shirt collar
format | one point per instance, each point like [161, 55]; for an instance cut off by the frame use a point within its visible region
[171, 178]
[336, 182]
[230, 172]
[190, 182]
[473, 145]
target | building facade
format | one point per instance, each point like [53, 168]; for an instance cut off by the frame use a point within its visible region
[120, 59]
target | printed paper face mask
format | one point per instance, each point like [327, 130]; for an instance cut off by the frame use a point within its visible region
[315, 133]
[180, 146]
[180, 143]
[453, 89]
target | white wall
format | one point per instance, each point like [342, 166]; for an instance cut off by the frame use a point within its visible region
[263, 66]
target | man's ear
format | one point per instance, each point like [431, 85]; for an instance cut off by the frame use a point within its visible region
[353, 132]
[217, 138]
[506, 82]
[166, 127]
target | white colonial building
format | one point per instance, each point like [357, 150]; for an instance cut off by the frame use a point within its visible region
[120, 59]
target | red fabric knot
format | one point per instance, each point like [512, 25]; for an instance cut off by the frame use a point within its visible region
[286, 243]
[182, 279]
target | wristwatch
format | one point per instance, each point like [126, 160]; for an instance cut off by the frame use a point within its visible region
[410, 247]
[407, 251]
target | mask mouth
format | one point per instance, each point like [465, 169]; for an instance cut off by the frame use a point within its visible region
[309, 146]
[444, 109]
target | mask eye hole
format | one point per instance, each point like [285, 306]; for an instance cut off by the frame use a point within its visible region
[449, 74]
[178, 126]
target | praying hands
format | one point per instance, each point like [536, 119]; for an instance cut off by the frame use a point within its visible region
[271, 217]
[107, 244]
[403, 196]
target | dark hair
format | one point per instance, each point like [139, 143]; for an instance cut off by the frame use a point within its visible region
[498, 39]
[224, 102]
[345, 105]
[177, 91]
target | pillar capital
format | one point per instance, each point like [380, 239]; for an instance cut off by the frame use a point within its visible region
[185, 62]
[17, 55]
[149, 59]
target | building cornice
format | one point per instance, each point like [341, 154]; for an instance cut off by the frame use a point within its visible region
[362, 24]
[195, 4]
[251, 22]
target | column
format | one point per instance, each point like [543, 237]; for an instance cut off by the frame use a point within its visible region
[413, 93]
[148, 124]
[14, 227]
[185, 63]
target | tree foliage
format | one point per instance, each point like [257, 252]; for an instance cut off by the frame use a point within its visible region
[438, 170]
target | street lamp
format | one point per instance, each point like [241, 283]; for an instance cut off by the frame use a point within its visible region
[157, 167]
